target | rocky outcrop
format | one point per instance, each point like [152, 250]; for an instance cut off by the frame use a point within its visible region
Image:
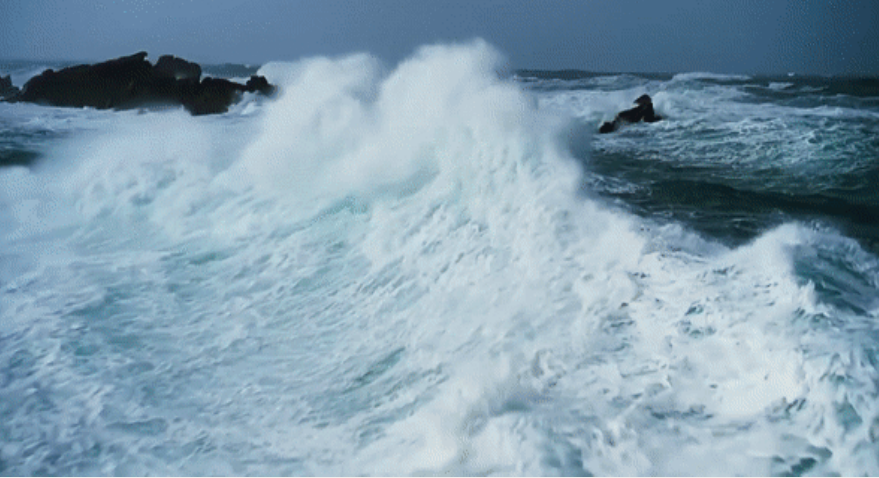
[132, 82]
[642, 112]
[177, 68]
[6, 87]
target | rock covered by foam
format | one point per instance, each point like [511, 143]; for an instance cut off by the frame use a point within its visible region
[133, 82]
[643, 112]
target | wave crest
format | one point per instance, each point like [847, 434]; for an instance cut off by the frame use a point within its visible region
[344, 127]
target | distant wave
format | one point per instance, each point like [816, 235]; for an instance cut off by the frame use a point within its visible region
[700, 75]
[779, 85]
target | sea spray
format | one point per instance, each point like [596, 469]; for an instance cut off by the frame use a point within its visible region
[340, 128]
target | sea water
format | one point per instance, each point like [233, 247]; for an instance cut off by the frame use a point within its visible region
[437, 267]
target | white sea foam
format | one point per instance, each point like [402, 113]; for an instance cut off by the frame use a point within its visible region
[701, 75]
[778, 86]
[340, 128]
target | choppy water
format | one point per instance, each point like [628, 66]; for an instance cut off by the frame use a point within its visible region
[427, 269]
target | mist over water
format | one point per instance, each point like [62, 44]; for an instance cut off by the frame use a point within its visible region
[429, 269]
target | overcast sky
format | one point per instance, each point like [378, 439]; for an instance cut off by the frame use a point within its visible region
[723, 36]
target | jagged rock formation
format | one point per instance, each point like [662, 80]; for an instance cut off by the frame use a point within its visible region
[132, 82]
[6, 87]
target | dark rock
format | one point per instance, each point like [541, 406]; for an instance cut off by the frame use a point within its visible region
[215, 95]
[177, 68]
[642, 112]
[132, 82]
[608, 127]
[212, 96]
[6, 87]
[259, 84]
[105, 85]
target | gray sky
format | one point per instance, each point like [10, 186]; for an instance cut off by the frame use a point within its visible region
[723, 36]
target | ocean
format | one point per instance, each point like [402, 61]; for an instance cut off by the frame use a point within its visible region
[439, 267]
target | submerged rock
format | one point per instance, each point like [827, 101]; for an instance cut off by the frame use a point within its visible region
[132, 82]
[642, 112]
